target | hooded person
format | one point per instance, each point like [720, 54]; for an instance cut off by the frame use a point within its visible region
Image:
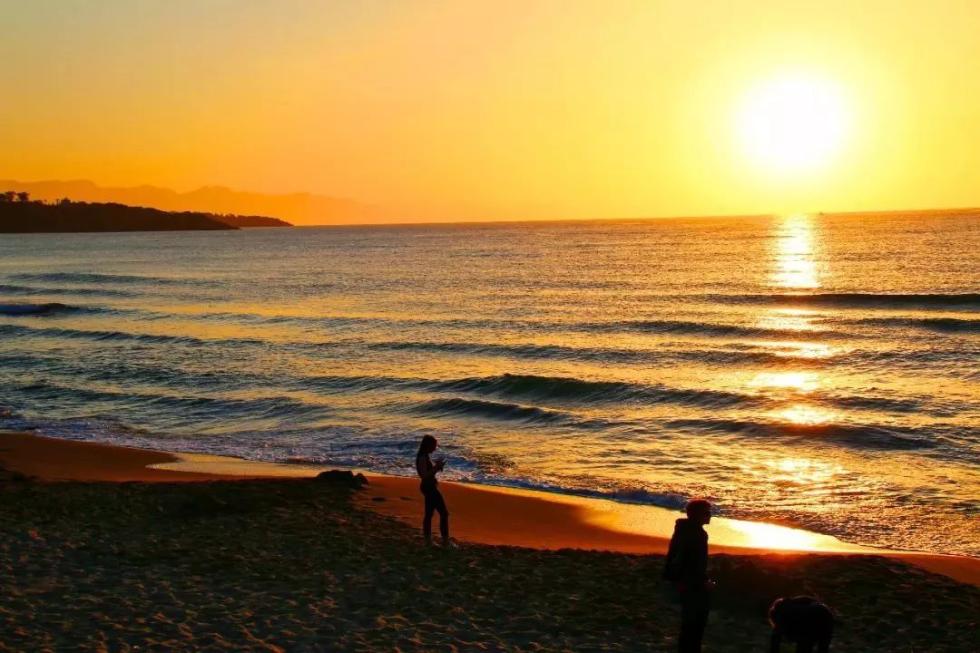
[686, 567]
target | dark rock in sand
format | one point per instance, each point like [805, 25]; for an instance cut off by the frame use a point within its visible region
[344, 479]
[7, 476]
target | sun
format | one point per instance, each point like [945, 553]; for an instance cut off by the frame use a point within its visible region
[792, 124]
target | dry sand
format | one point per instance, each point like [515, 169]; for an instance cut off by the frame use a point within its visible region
[300, 565]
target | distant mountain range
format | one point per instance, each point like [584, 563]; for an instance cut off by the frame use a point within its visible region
[298, 208]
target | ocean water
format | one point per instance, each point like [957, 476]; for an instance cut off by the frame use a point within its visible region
[818, 371]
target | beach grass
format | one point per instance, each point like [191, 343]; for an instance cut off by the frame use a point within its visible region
[296, 565]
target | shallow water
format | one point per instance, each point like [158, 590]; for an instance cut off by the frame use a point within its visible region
[816, 371]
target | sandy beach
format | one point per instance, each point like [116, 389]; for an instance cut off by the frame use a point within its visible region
[101, 552]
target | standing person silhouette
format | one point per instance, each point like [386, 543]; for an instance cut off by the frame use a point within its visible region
[804, 620]
[434, 502]
[687, 568]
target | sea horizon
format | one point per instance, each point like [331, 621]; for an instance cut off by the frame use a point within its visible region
[927, 212]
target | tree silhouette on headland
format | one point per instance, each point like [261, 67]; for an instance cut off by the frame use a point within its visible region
[20, 214]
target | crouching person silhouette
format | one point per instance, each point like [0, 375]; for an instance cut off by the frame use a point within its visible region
[803, 620]
[687, 568]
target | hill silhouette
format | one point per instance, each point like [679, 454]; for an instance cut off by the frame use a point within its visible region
[19, 214]
[297, 208]
[249, 221]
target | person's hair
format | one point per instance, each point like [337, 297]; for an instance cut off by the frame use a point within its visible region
[698, 507]
[428, 444]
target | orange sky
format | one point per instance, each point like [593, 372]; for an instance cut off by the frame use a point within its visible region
[492, 110]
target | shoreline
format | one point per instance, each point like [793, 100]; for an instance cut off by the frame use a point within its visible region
[481, 514]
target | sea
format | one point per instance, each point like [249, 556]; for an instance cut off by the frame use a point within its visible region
[819, 371]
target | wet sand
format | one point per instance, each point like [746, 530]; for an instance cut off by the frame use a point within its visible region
[51, 459]
[301, 565]
[481, 514]
[516, 518]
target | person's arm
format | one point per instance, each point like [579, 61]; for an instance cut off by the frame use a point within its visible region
[674, 570]
[425, 468]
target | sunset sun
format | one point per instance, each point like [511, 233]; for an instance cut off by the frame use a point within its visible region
[792, 124]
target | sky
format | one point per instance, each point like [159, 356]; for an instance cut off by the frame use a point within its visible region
[505, 109]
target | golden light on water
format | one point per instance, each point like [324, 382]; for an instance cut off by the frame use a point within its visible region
[806, 415]
[795, 268]
[796, 381]
[795, 265]
[802, 349]
[802, 471]
[788, 319]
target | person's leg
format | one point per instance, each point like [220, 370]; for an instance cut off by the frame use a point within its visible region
[440, 505]
[702, 619]
[686, 641]
[694, 618]
[430, 507]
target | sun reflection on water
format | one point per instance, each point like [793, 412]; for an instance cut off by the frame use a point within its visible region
[802, 382]
[789, 349]
[806, 415]
[801, 471]
[789, 319]
[795, 265]
[795, 268]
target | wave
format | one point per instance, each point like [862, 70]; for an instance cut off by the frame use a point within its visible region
[859, 300]
[580, 391]
[621, 494]
[96, 335]
[863, 437]
[37, 309]
[13, 289]
[724, 357]
[883, 404]
[528, 387]
[179, 406]
[708, 329]
[504, 411]
[584, 391]
[138, 372]
[675, 327]
[97, 278]
[357, 383]
[936, 324]
[954, 360]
